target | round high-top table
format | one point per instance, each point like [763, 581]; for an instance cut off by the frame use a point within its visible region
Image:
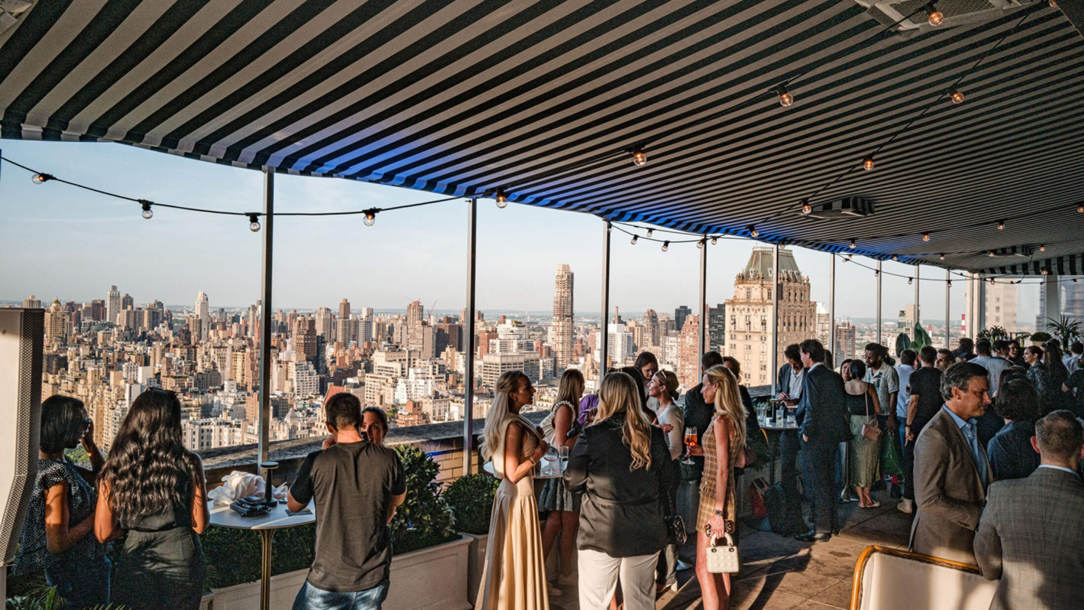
[777, 429]
[267, 525]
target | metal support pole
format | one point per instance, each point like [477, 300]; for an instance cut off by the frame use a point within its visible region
[1052, 297]
[948, 308]
[775, 321]
[468, 366]
[832, 311]
[980, 307]
[879, 303]
[264, 420]
[918, 309]
[604, 332]
[704, 343]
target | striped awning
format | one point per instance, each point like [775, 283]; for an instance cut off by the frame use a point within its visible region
[547, 99]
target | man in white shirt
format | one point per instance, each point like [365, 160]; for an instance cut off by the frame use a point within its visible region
[993, 364]
[1072, 359]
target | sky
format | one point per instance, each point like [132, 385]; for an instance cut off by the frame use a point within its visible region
[57, 241]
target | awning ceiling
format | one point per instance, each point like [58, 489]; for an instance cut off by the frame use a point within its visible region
[545, 99]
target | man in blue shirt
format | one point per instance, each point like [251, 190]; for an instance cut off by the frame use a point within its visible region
[951, 469]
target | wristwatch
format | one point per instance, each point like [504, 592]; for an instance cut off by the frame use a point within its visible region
[720, 513]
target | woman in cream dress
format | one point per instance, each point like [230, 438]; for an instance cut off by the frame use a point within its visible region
[515, 572]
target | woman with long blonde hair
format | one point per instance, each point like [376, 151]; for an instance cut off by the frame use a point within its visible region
[560, 429]
[515, 572]
[622, 466]
[724, 444]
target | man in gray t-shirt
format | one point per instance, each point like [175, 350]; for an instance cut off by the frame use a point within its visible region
[993, 365]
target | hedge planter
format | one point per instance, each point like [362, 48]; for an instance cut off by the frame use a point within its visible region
[284, 588]
[434, 578]
[476, 563]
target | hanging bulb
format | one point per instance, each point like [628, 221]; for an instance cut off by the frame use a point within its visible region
[948, 284]
[665, 246]
[1045, 271]
[370, 217]
[41, 178]
[639, 158]
[1080, 208]
[634, 238]
[957, 97]
[910, 281]
[806, 208]
[942, 257]
[876, 274]
[1001, 225]
[147, 212]
[991, 281]
[991, 253]
[1042, 248]
[868, 163]
[925, 237]
[254, 223]
[700, 245]
[895, 257]
[649, 232]
[753, 232]
[502, 199]
[785, 98]
[714, 240]
[935, 16]
[1074, 280]
[1054, 4]
[854, 244]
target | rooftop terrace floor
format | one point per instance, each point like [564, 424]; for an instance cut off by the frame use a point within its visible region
[780, 573]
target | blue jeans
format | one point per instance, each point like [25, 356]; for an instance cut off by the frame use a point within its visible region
[311, 598]
[82, 584]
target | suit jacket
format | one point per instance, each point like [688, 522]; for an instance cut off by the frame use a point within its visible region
[1031, 538]
[621, 513]
[822, 410]
[783, 380]
[948, 490]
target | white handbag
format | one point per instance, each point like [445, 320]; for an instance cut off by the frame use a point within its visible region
[722, 558]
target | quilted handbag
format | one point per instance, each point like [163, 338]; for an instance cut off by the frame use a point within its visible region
[723, 558]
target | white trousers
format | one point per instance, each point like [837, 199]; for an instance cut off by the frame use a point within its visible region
[598, 580]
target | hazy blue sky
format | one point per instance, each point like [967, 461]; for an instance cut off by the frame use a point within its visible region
[58, 241]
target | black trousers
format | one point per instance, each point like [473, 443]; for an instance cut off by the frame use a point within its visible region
[819, 461]
[789, 446]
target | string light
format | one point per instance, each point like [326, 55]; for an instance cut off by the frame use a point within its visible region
[649, 232]
[1042, 248]
[942, 257]
[41, 178]
[876, 274]
[1001, 225]
[370, 217]
[957, 97]
[634, 238]
[147, 212]
[895, 257]
[948, 283]
[1054, 4]
[806, 208]
[714, 240]
[639, 157]
[665, 246]
[254, 223]
[925, 237]
[785, 98]
[868, 163]
[1045, 271]
[753, 232]
[935, 16]
[854, 244]
[502, 199]
[700, 244]
[1080, 209]
[991, 254]
[910, 281]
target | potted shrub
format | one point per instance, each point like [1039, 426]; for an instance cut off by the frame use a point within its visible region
[1065, 329]
[471, 498]
[1039, 338]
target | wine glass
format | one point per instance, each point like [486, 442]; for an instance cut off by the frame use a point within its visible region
[690, 442]
[549, 457]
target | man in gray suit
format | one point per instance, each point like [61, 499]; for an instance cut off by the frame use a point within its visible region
[951, 469]
[1030, 534]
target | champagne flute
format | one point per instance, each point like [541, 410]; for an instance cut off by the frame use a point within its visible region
[690, 442]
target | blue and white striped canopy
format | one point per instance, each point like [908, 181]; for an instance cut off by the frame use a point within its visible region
[546, 99]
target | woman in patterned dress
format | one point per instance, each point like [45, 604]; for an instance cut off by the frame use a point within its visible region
[561, 429]
[723, 449]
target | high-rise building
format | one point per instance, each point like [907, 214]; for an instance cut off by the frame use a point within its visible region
[127, 302]
[845, 341]
[688, 360]
[679, 316]
[717, 327]
[750, 335]
[202, 315]
[563, 316]
[414, 314]
[909, 316]
[323, 323]
[56, 323]
[112, 305]
[651, 334]
[32, 303]
[344, 309]
[824, 326]
[1001, 306]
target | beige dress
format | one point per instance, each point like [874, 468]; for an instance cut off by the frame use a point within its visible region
[515, 572]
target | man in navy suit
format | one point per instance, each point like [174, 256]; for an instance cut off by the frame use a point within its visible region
[825, 423]
[791, 378]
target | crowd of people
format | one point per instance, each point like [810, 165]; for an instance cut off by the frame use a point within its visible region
[995, 487]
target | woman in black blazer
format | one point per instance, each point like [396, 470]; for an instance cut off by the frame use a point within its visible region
[622, 464]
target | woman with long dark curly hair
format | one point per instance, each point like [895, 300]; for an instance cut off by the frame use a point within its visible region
[153, 494]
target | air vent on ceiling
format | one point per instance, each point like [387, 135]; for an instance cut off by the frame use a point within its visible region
[956, 12]
[839, 208]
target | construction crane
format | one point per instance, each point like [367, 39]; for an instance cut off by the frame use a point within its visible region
[431, 308]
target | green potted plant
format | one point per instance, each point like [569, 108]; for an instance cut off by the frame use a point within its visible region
[1065, 329]
[1039, 338]
[471, 498]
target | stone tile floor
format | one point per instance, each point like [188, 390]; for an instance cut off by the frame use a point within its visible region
[780, 573]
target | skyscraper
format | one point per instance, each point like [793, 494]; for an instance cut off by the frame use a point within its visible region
[344, 309]
[414, 314]
[202, 314]
[323, 323]
[679, 316]
[717, 327]
[112, 305]
[1001, 306]
[563, 316]
[688, 360]
[651, 329]
[32, 303]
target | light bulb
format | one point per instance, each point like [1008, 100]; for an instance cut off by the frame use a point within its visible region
[254, 223]
[1054, 4]
[147, 212]
[502, 199]
[785, 98]
[925, 237]
[935, 16]
[634, 238]
[957, 97]
[1080, 209]
[1001, 225]
[1045, 272]
[665, 246]
[649, 232]
[714, 240]
[948, 284]
[854, 244]
[868, 163]
[991, 253]
[895, 257]
[1074, 280]
[753, 232]
[370, 217]
[639, 158]
[876, 274]
[41, 178]
[991, 281]
[806, 208]
[700, 245]
[1042, 248]
[942, 257]
[910, 281]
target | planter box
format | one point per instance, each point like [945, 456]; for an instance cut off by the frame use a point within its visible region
[427, 578]
[476, 564]
[430, 578]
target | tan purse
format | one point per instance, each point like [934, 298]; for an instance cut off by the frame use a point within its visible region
[870, 431]
[722, 558]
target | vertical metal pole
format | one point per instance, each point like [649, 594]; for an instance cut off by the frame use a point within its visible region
[264, 420]
[705, 344]
[1052, 297]
[604, 332]
[879, 303]
[918, 310]
[948, 308]
[980, 307]
[775, 321]
[468, 330]
[832, 312]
